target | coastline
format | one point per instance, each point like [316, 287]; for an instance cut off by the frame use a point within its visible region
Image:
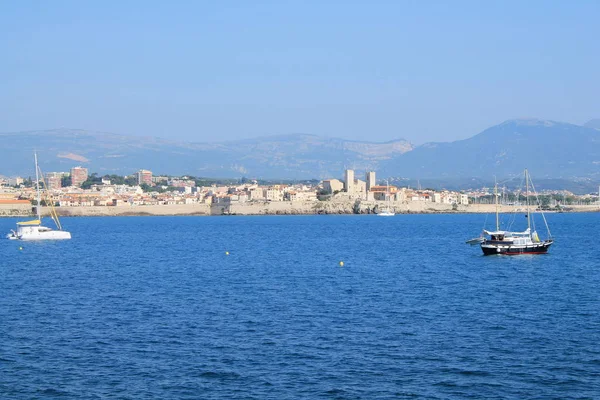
[277, 208]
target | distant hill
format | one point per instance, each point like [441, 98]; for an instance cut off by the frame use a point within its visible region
[548, 149]
[575, 185]
[295, 156]
[594, 124]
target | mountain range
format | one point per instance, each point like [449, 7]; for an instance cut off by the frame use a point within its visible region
[551, 150]
[548, 149]
[296, 156]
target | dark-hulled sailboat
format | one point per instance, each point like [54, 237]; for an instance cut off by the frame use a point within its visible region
[514, 243]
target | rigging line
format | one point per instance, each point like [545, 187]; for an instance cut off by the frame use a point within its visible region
[517, 200]
[506, 180]
[514, 178]
[485, 222]
[537, 200]
[511, 221]
[511, 217]
[53, 213]
[541, 211]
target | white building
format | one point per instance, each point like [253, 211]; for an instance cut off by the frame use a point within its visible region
[15, 181]
[333, 185]
[359, 186]
[273, 194]
[256, 194]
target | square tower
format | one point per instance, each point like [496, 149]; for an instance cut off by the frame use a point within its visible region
[371, 180]
[349, 181]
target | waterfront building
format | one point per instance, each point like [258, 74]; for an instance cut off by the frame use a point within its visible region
[54, 180]
[333, 185]
[183, 183]
[160, 179]
[256, 194]
[447, 197]
[78, 176]
[359, 186]
[15, 181]
[380, 192]
[144, 176]
[400, 195]
[301, 196]
[273, 194]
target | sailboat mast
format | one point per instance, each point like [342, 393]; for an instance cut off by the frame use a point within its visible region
[497, 215]
[388, 192]
[527, 199]
[37, 187]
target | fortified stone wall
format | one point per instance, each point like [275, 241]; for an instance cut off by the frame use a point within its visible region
[273, 208]
[12, 210]
[178, 209]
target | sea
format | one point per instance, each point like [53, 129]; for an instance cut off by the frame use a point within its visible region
[299, 307]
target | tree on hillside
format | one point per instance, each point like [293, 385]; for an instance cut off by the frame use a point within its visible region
[115, 179]
[147, 188]
[93, 179]
[131, 180]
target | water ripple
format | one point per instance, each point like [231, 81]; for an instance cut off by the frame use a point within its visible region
[146, 308]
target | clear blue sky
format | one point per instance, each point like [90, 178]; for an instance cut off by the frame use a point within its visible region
[220, 70]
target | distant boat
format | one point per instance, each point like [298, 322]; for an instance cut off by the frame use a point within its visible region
[387, 211]
[514, 243]
[34, 230]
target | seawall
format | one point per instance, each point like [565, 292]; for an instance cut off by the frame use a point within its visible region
[277, 208]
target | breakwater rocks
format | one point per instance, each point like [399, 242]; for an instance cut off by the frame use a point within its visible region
[329, 207]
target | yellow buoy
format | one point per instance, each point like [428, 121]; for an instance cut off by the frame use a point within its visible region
[20, 248]
[341, 263]
[226, 253]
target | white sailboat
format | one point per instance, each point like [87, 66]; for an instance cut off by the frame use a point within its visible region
[34, 230]
[387, 211]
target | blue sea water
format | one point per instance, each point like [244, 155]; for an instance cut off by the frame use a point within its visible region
[154, 308]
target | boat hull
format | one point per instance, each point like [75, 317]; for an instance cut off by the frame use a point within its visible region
[513, 250]
[53, 235]
[37, 233]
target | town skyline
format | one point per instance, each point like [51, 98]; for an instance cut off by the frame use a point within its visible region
[83, 194]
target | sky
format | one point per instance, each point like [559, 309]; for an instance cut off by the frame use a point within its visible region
[209, 71]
